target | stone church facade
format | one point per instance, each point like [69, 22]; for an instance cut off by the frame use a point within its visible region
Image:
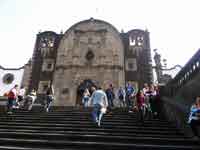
[91, 52]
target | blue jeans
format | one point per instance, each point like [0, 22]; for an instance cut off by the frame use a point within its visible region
[10, 104]
[110, 103]
[85, 101]
[97, 114]
[49, 101]
[129, 102]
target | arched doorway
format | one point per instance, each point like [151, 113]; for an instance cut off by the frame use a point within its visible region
[88, 83]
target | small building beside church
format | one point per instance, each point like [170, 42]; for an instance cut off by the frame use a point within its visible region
[90, 53]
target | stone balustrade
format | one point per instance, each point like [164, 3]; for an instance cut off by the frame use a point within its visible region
[186, 74]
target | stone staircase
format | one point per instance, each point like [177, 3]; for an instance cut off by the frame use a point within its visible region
[73, 129]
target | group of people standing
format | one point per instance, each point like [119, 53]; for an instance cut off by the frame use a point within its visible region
[19, 99]
[142, 101]
[148, 102]
[15, 97]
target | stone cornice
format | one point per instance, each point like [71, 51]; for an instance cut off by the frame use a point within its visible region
[65, 67]
[11, 68]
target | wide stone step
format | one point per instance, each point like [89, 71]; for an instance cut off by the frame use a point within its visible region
[131, 121]
[69, 112]
[83, 121]
[135, 125]
[97, 130]
[81, 117]
[98, 138]
[73, 113]
[71, 116]
[91, 132]
[91, 125]
[85, 145]
[8, 147]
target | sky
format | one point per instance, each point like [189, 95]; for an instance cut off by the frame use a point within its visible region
[174, 25]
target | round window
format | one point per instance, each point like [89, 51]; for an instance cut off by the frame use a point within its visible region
[89, 56]
[8, 78]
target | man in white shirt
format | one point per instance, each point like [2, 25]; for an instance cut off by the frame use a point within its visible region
[99, 102]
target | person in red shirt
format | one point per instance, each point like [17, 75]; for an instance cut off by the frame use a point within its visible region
[12, 96]
[140, 103]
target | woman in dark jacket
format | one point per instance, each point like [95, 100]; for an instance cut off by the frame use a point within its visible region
[49, 98]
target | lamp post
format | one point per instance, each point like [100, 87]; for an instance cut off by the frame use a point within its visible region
[159, 68]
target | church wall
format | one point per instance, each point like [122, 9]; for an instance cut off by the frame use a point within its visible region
[94, 39]
[91, 49]
[26, 75]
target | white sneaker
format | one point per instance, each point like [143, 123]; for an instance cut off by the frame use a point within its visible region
[47, 110]
[9, 112]
[99, 123]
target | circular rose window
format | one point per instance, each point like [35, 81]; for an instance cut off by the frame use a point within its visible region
[89, 56]
[8, 78]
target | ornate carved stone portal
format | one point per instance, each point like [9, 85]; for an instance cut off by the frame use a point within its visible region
[91, 51]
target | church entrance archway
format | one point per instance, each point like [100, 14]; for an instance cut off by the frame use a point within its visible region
[87, 83]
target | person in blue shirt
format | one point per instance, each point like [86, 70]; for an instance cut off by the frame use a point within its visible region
[194, 117]
[121, 96]
[130, 92]
[111, 96]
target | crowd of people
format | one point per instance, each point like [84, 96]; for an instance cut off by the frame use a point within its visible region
[146, 102]
[143, 101]
[19, 98]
